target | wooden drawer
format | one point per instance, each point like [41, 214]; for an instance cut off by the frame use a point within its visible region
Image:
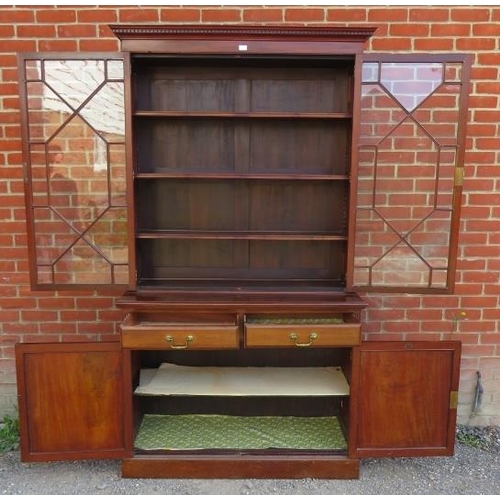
[160, 331]
[302, 332]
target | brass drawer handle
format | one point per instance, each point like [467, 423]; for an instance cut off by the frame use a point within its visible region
[170, 340]
[293, 337]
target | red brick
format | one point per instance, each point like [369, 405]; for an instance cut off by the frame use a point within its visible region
[180, 15]
[424, 314]
[76, 30]
[18, 45]
[111, 315]
[36, 31]
[478, 350]
[410, 30]
[262, 15]
[58, 328]
[99, 328]
[39, 316]
[481, 129]
[41, 338]
[387, 14]
[13, 15]
[474, 43]
[220, 15]
[58, 45]
[401, 327]
[400, 43]
[444, 302]
[101, 15]
[450, 29]
[351, 14]
[138, 14]
[17, 303]
[434, 337]
[470, 15]
[79, 315]
[433, 44]
[303, 15]
[93, 303]
[89, 45]
[111, 337]
[483, 73]
[487, 88]
[465, 338]
[8, 60]
[482, 101]
[426, 14]
[483, 116]
[56, 302]
[7, 30]
[56, 16]
[482, 29]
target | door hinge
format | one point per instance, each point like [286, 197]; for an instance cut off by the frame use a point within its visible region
[453, 400]
[459, 176]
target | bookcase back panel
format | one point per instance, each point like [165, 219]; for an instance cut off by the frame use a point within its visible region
[299, 147]
[222, 145]
[228, 205]
[258, 85]
[182, 145]
[228, 260]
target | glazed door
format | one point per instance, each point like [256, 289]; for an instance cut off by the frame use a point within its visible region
[73, 125]
[408, 158]
[404, 399]
[70, 401]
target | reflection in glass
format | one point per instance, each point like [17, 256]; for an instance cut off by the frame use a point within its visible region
[77, 168]
[407, 160]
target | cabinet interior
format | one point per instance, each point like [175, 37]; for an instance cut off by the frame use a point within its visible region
[294, 404]
[241, 171]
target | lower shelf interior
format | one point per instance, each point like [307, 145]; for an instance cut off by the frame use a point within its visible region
[229, 432]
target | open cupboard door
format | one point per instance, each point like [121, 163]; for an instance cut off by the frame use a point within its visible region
[404, 398]
[70, 401]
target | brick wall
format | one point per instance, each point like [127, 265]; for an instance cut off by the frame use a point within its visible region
[472, 314]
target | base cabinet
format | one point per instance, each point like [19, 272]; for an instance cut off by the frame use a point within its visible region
[81, 401]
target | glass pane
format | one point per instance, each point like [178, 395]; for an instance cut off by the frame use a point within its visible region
[407, 159]
[45, 115]
[105, 112]
[74, 81]
[118, 182]
[411, 83]
[76, 139]
[39, 177]
[109, 235]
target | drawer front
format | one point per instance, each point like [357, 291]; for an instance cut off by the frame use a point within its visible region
[303, 335]
[182, 338]
[150, 331]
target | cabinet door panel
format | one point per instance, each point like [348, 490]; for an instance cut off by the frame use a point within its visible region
[70, 401]
[404, 398]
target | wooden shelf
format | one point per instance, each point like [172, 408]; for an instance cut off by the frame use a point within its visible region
[256, 115]
[170, 379]
[240, 235]
[239, 176]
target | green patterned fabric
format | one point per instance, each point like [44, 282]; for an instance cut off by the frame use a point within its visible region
[294, 321]
[189, 432]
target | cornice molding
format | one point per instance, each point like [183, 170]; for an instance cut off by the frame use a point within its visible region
[123, 31]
